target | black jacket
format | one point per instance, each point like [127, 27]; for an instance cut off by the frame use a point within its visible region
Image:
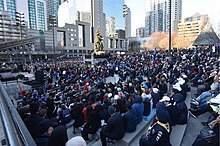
[31, 123]
[58, 137]
[130, 120]
[173, 113]
[93, 121]
[115, 127]
[157, 136]
[42, 140]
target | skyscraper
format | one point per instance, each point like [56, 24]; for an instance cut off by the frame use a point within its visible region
[176, 14]
[110, 26]
[9, 6]
[67, 13]
[127, 20]
[114, 8]
[157, 15]
[52, 9]
[84, 17]
[34, 11]
[98, 17]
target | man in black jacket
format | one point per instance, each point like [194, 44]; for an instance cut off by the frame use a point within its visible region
[130, 118]
[92, 124]
[32, 121]
[115, 127]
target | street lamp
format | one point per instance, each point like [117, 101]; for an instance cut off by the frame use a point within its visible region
[52, 23]
[170, 29]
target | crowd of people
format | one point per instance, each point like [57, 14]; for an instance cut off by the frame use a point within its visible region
[82, 93]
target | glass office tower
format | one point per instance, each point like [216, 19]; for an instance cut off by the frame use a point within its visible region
[41, 18]
[32, 14]
[11, 8]
[114, 8]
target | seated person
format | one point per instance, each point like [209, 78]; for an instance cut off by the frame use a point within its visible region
[115, 127]
[138, 106]
[130, 118]
[158, 133]
[172, 110]
[213, 139]
[207, 94]
[92, 124]
[211, 105]
[64, 115]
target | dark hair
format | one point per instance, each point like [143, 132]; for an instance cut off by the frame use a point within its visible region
[128, 105]
[34, 107]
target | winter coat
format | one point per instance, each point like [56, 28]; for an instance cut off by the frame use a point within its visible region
[58, 137]
[157, 136]
[42, 140]
[31, 123]
[173, 113]
[93, 121]
[156, 98]
[183, 112]
[138, 106]
[130, 120]
[115, 127]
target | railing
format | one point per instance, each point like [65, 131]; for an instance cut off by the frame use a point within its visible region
[15, 131]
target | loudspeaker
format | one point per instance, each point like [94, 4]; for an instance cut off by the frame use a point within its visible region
[39, 76]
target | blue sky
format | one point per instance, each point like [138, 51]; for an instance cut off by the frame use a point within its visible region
[190, 7]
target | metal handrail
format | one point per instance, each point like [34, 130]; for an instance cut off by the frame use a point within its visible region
[15, 130]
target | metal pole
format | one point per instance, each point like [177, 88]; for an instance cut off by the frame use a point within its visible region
[92, 19]
[54, 51]
[170, 45]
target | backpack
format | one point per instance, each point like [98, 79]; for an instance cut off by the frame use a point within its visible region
[66, 117]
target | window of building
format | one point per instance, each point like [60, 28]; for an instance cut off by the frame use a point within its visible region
[40, 12]
[61, 41]
[75, 51]
[80, 51]
[81, 36]
[32, 14]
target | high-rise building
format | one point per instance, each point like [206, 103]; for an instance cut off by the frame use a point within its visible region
[110, 26]
[127, 20]
[67, 13]
[9, 30]
[176, 14]
[114, 9]
[140, 32]
[52, 9]
[154, 17]
[157, 15]
[98, 17]
[191, 27]
[34, 11]
[9, 6]
[84, 17]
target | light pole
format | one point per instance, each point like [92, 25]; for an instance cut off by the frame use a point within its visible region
[170, 29]
[52, 22]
